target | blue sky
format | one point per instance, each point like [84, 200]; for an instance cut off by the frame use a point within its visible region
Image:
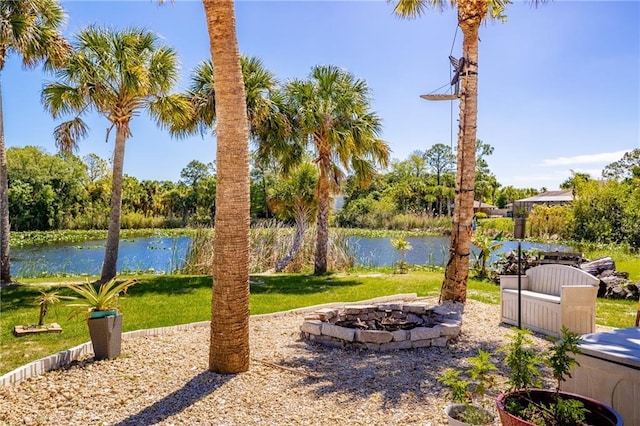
[559, 85]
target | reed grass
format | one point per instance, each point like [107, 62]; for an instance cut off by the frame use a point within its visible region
[269, 243]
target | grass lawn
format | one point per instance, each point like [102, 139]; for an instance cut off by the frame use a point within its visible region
[159, 301]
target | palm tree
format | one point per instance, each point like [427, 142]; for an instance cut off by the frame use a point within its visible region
[229, 347]
[330, 112]
[471, 13]
[261, 93]
[294, 197]
[30, 29]
[117, 73]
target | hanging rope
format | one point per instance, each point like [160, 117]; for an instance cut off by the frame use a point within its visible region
[453, 43]
[433, 96]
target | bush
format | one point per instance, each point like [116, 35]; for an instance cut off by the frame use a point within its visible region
[598, 211]
[550, 222]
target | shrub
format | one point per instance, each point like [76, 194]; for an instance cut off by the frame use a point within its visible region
[550, 221]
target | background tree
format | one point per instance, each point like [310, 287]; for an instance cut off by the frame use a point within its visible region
[44, 189]
[331, 113]
[576, 179]
[97, 168]
[293, 197]
[229, 348]
[471, 13]
[30, 29]
[598, 211]
[118, 74]
[623, 168]
[441, 161]
[201, 183]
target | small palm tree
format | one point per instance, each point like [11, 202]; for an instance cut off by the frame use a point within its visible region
[117, 73]
[403, 246]
[45, 300]
[29, 28]
[330, 113]
[294, 197]
[486, 245]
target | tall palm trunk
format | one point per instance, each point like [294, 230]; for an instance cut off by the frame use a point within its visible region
[322, 236]
[454, 286]
[110, 263]
[5, 226]
[229, 347]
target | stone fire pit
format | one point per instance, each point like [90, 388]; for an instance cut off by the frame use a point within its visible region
[384, 326]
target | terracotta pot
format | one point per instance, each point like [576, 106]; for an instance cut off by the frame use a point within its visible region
[599, 414]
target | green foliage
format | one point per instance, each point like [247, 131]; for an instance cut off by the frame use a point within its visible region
[45, 300]
[577, 179]
[403, 246]
[631, 216]
[550, 222]
[44, 188]
[496, 225]
[605, 212]
[471, 388]
[481, 215]
[24, 239]
[509, 194]
[293, 196]
[486, 245]
[623, 168]
[103, 298]
[524, 363]
[560, 357]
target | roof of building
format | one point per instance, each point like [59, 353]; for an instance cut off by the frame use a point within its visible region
[564, 195]
[477, 205]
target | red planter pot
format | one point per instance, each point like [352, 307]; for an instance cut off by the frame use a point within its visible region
[599, 413]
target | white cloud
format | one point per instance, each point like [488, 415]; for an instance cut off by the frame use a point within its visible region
[605, 157]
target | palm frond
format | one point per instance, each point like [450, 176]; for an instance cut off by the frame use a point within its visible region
[415, 8]
[68, 134]
[174, 112]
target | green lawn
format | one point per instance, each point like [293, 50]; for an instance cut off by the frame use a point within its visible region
[159, 301]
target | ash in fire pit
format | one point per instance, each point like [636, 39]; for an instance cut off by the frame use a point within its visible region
[384, 326]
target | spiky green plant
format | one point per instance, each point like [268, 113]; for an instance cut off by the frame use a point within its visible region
[103, 298]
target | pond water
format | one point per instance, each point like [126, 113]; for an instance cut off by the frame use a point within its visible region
[166, 254]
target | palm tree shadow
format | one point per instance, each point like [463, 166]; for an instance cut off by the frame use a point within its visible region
[391, 376]
[197, 388]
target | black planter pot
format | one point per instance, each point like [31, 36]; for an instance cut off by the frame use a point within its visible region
[598, 414]
[106, 336]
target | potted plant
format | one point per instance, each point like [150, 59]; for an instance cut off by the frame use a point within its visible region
[527, 404]
[468, 391]
[104, 315]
